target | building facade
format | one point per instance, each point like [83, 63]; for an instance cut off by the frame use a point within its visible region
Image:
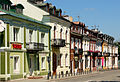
[24, 44]
[76, 49]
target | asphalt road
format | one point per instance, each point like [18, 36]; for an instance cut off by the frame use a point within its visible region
[106, 76]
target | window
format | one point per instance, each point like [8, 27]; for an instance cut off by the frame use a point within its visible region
[86, 61]
[18, 10]
[76, 42]
[99, 62]
[75, 28]
[66, 60]
[61, 60]
[53, 11]
[54, 31]
[16, 32]
[42, 37]
[59, 13]
[16, 64]
[79, 43]
[66, 35]
[43, 63]
[61, 33]
[72, 43]
[79, 30]
[5, 7]
[30, 35]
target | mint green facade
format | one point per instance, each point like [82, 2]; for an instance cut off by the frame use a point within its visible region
[22, 63]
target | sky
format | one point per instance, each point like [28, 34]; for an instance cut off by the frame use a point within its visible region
[105, 14]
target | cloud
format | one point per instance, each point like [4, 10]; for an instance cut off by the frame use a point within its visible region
[89, 9]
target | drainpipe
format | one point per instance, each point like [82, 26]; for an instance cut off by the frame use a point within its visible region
[49, 58]
[49, 49]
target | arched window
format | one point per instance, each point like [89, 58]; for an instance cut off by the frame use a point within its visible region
[66, 35]
[54, 31]
[66, 60]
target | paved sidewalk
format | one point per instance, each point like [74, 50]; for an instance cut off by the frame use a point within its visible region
[60, 79]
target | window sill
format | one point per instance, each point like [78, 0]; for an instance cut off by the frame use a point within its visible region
[43, 68]
[16, 42]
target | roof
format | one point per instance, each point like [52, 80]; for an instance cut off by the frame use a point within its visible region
[79, 23]
[6, 2]
[20, 6]
[22, 17]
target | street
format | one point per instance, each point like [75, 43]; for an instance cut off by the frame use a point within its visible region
[106, 76]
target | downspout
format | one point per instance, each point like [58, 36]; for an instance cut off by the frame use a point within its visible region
[49, 49]
[70, 51]
[82, 48]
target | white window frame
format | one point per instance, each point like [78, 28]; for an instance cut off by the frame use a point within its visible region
[18, 70]
[43, 66]
[16, 36]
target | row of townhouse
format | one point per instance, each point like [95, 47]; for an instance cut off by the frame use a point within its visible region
[91, 50]
[38, 40]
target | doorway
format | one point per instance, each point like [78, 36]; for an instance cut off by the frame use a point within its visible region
[54, 63]
[31, 64]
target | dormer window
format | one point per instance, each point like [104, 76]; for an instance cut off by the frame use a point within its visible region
[58, 12]
[6, 4]
[19, 8]
[53, 11]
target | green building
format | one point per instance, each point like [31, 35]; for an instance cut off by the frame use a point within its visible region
[24, 44]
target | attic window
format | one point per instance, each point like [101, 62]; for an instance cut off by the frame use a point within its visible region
[19, 8]
[5, 4]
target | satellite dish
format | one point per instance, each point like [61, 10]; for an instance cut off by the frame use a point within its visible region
[2, 26]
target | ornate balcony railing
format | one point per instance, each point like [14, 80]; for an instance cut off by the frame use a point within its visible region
[35, 46]
[58, 42]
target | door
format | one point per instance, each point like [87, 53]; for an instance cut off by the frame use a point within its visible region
[54, 63]
[31, 64]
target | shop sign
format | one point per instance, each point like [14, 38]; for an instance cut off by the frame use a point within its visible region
[17, 46]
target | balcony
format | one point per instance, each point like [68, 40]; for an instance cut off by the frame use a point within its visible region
[35, 46]
[58, 43]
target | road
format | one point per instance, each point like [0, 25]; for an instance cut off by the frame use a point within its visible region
[106, 76]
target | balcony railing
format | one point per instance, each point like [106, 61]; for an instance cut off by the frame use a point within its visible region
[58, 42]
[35, 46]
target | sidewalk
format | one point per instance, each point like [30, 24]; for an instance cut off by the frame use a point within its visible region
[57, 78]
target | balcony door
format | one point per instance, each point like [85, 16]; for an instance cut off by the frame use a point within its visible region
[31, 64]
[54, 63]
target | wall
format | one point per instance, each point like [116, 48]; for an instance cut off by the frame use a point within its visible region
[35, 13]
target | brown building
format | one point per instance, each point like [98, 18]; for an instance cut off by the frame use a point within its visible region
[76, 47]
